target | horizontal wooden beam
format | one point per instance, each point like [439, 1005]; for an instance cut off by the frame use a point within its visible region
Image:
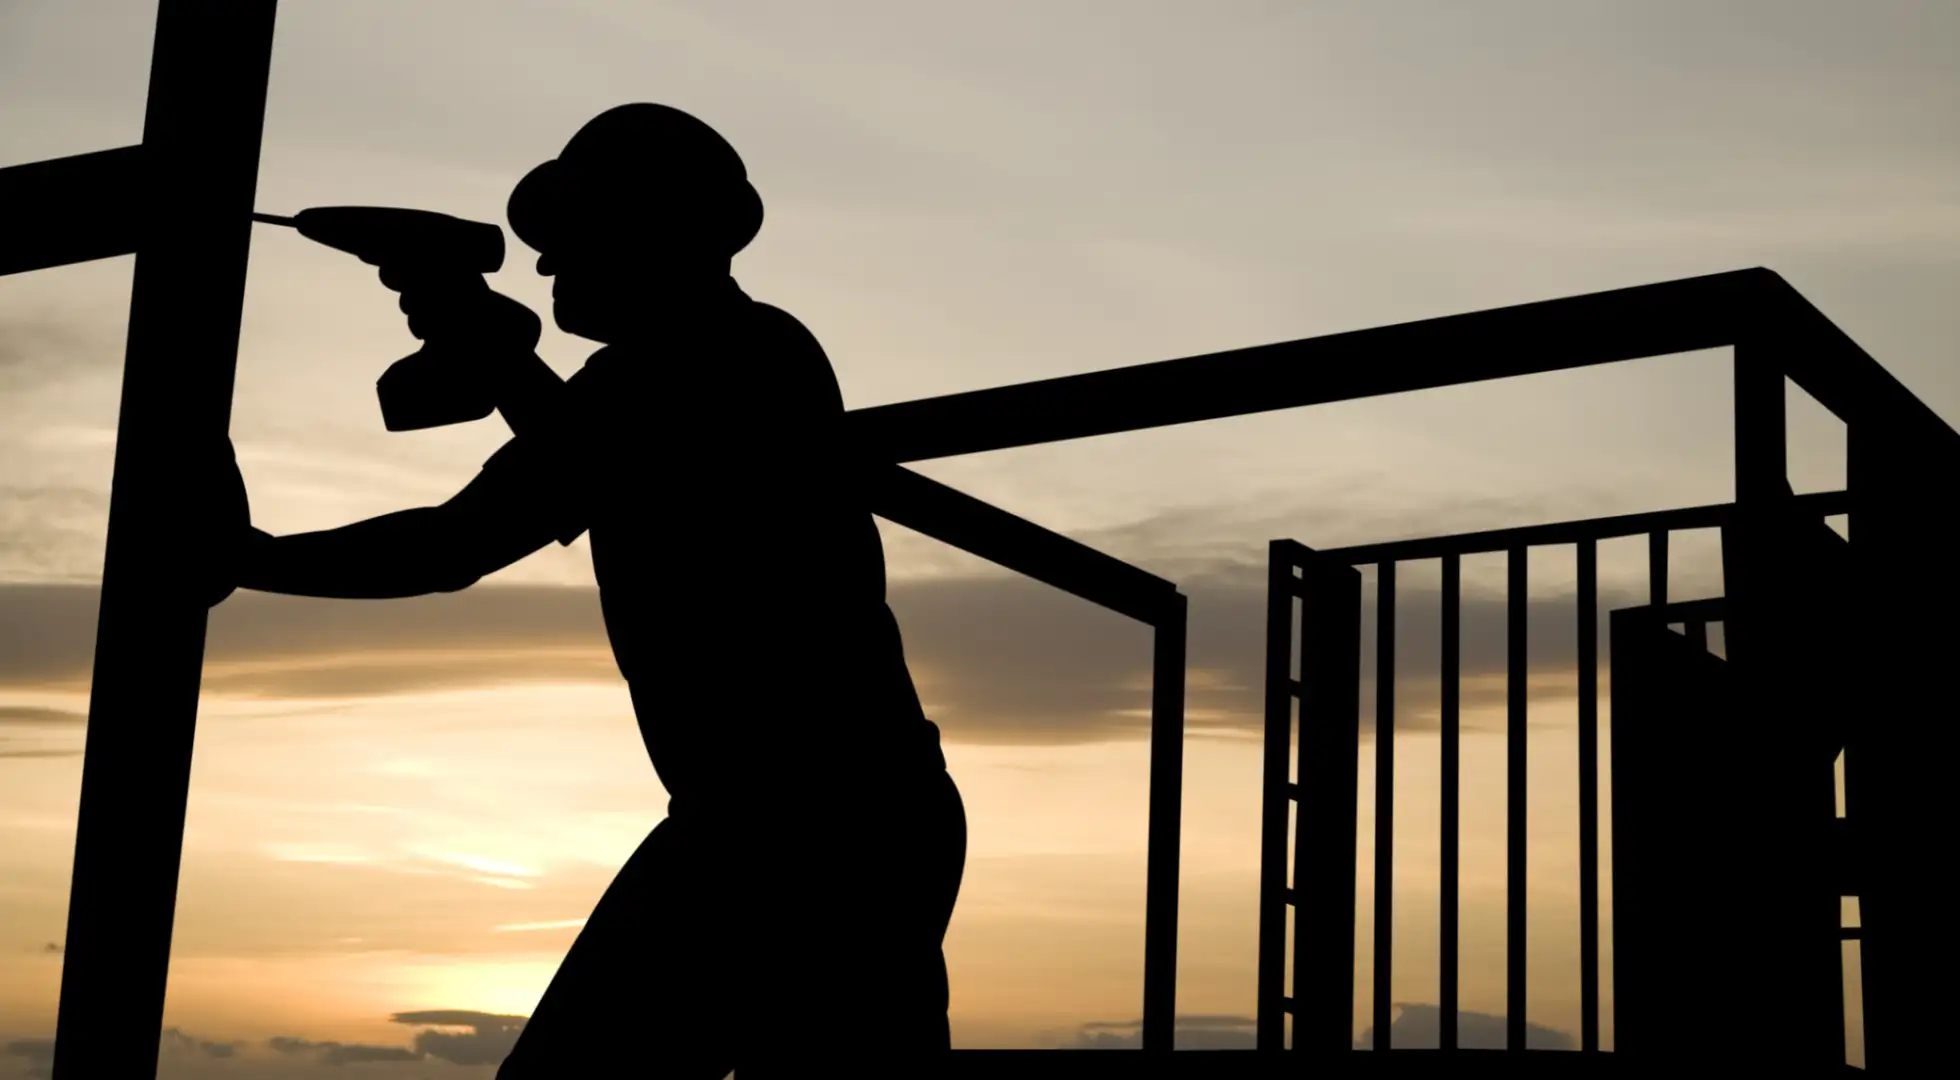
[953, 517]
[1829, 366]
[1597, 328]
[69, 210]
[1821, 504]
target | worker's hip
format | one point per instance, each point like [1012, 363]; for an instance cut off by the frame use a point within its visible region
[838, 765]
[831, 807]
[725, 943]
[876, 878]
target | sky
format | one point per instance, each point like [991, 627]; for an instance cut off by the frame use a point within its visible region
[399, 811]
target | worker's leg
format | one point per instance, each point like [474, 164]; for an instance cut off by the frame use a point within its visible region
[861, 977]
[647, 987]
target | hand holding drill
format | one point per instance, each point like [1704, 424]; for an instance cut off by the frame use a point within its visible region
[480, 346]
[479, 356]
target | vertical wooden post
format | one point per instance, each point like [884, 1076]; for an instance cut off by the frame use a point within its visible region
[1588, 795]
[1786, 628]
[1452, 767]
[200, 158]
[1276, 795]
[1517, 883]
[1899, 754]
[1384, 982]
[1761, 437]
[1657, 567]
[1324, 838]
[1165, 835]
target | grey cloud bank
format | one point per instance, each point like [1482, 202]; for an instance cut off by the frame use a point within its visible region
[998, 659]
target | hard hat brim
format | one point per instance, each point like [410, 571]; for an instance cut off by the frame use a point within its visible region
[554, 203]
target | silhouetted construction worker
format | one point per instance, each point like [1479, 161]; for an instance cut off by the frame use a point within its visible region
[794, 901]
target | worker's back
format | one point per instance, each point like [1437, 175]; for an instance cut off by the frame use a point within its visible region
[740, 570]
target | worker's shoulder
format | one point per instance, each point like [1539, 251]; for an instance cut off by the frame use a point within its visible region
[782, 328]
[601, 371]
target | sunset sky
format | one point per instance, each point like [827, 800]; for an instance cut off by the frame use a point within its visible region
[400, 811]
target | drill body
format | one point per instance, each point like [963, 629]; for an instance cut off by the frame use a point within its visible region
[417, 249]
[417, 242]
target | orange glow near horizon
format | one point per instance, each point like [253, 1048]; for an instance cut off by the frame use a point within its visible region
[439, 852]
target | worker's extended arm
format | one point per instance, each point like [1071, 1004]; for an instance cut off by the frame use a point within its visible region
[493, 522]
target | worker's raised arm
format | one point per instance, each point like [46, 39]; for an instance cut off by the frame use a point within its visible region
[505, 514]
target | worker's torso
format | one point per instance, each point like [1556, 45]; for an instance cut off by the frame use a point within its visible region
[740, 571]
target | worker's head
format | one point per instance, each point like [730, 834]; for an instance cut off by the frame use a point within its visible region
[643, 198]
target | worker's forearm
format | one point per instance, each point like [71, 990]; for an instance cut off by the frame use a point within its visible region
[396, 555]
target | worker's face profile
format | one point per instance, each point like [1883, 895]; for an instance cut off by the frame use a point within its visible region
[579, 301]
[593, 291]
[601, 277]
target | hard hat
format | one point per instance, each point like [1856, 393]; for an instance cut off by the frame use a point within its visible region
[643, 171]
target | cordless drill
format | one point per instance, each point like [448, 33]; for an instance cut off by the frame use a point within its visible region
[434, 386]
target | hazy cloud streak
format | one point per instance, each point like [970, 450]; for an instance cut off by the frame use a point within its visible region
[998, 659]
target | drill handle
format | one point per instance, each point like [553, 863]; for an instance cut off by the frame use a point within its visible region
[400, 278]
[429, 298]
[434, 386]
[441, 384]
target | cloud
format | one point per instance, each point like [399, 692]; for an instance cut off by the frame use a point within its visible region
[553, 924]
[176, 1041]
[1194, 1032]
[38, 720]
[487, 1042]
[47, 346]
[1417, 1026]
[998, 659]
[338, 1053]
[260, 644]
[39, 1054]
[1010, 660]
[27, 714]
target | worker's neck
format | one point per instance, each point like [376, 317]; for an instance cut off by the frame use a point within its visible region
[657, 308]
[680, 293]
[692, 287]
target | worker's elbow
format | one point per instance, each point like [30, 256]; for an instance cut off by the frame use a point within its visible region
[449, 560]
[459, 572]
[455, 581]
